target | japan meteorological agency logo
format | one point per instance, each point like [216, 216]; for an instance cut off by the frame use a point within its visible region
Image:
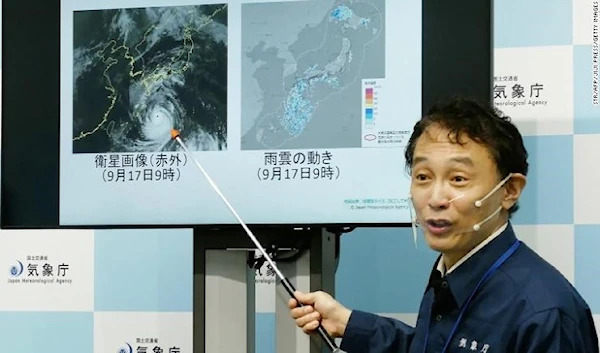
[39, 270]
[16, 270]
[126, 349]
[148, 345]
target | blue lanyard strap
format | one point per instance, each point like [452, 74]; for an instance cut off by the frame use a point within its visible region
[489, 272]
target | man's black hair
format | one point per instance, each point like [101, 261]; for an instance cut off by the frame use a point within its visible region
[482, 123]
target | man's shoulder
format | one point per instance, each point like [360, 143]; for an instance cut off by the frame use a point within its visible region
[542, 286]
[555, 312]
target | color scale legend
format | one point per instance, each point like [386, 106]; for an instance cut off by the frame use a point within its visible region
[369, 106]
[381, 127]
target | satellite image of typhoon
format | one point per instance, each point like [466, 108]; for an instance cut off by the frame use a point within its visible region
[138, 73]
[303, 63]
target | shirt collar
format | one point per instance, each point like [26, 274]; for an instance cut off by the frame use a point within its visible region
[463, 279]
[442, 268]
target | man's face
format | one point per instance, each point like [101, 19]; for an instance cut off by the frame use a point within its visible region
[447, 179]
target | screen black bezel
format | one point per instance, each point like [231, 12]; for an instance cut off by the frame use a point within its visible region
[457, 52]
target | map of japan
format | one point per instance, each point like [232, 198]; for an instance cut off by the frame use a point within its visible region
[303, 63]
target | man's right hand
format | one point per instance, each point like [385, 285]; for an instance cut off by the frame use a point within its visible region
[319, 307]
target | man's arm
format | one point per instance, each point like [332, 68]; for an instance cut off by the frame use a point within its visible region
[552, 331]
[368, 332]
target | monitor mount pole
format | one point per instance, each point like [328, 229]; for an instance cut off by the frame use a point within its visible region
[283, 280]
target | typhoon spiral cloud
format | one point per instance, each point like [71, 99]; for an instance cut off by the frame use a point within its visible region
[138, 73]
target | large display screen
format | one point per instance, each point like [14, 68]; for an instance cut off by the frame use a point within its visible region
[299, 110]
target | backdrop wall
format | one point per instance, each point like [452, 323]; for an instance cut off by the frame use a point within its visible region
[99, 291]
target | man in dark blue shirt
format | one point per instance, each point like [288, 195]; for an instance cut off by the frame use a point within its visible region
[488, 292]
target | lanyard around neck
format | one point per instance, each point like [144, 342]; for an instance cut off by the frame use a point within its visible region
[489, 272]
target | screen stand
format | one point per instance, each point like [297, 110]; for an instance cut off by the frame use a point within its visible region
[224, 286]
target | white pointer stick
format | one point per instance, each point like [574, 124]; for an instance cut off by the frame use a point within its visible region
[284, 281]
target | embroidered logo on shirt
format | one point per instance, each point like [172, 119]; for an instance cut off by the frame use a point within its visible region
[474, 346]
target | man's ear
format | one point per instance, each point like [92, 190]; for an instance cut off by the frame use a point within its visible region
[513, 190]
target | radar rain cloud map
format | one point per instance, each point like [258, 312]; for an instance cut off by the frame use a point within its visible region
[303, 63]
[139, 72]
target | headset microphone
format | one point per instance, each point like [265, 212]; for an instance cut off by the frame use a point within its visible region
[478, 204]
[477, 226]
[413, 220]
